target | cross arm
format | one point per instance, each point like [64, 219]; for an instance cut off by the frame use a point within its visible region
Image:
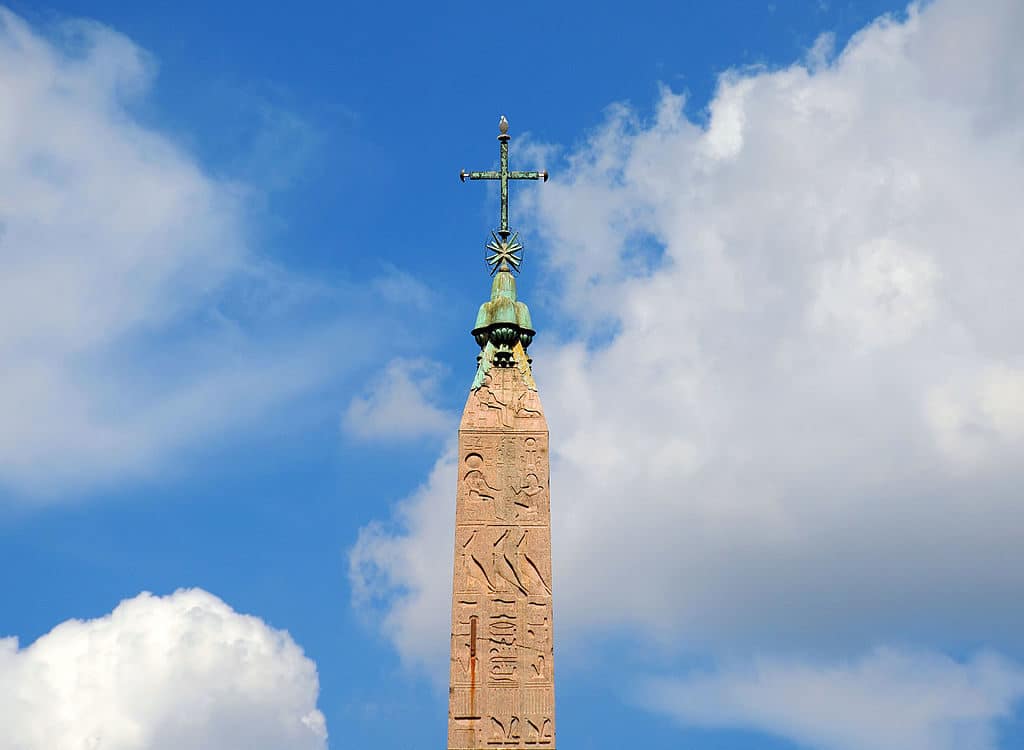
[529, 175]
[464, 175]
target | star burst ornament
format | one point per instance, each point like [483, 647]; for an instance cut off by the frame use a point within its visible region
[504, 248]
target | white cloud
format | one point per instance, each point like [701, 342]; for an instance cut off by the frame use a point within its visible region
[881, 294]
[832, 320]
[789, 415]
[887, 700]
[135, 317]
[160, 673]
[398, 404]
[979, 416]
[401, 573]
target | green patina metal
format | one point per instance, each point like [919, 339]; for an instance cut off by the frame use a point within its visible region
[503, 308]
[501, 324]
[505, 250]
[503, 174]
[483, 367]
[503, 327]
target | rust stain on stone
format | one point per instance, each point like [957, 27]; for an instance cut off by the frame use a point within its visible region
[472, 665]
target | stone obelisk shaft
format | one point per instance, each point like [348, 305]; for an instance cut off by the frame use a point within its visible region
[502, 691]
[502, 687]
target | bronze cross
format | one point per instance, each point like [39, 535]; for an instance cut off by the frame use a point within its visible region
[504, 249]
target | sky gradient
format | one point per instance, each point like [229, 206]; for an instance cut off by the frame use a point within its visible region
[775, 276]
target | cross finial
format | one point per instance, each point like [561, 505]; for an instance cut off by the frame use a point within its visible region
[506, 251]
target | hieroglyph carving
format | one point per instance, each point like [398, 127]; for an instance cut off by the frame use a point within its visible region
[502, 656]
[509, 731]
[503, 632]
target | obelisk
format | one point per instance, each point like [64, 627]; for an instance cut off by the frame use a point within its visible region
[502, 683]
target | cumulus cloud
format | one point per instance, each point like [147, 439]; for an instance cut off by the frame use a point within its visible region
[401, 571]
[886, 700]
[399, 403]
[789, 413]
[826, 334]
[161, 673]
[137, 317]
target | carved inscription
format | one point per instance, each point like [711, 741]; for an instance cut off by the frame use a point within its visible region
[504, 402]
[504, 732]
[503, 480]
[502, 671]
[472, 571]
[464, 640]
[490, 399]
[510, 731]
[525, 495]
[528, 405]
[474, 481]
[503, 631]
[538, 641]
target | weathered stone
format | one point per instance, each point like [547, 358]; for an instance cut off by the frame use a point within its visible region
[502, 681]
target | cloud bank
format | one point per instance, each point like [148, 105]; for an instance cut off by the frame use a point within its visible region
[825, 332]
[161, 673]
[887, 700]
[398, 405]
[790, 417]
[403, 579]
[138, 318]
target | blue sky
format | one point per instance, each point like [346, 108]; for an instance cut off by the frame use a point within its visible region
[774, 276]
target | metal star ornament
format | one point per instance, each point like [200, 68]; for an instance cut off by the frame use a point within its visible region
[504, 251]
